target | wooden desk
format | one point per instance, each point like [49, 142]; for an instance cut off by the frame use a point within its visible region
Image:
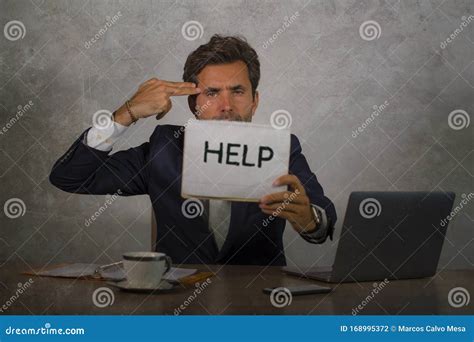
[237, 290]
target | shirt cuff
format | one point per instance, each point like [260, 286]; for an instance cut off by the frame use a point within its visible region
[320, 234]
[103, 139]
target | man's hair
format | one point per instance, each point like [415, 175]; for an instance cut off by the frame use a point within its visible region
[223, 50]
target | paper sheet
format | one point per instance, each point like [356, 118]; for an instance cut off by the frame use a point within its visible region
[235, 161]
[81, 270]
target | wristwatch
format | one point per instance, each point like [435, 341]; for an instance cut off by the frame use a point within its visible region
[319, 216]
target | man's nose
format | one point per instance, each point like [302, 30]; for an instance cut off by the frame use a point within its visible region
[225, 102]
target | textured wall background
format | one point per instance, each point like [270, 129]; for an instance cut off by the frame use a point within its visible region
[316, 64]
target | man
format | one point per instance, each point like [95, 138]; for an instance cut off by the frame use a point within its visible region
[220, 80]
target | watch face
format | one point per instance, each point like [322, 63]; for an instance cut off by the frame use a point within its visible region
[316, 215]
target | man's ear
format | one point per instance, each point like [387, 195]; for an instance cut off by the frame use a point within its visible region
[192, 103]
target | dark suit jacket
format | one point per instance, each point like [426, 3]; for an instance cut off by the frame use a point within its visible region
[154, 168]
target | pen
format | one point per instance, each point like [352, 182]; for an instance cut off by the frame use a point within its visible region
[100, 268]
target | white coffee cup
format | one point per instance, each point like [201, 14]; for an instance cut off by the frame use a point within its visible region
[145, 269]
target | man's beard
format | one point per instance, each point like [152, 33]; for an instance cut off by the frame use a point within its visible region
[232, 116]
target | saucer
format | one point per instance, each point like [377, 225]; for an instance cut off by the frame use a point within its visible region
[164, 286]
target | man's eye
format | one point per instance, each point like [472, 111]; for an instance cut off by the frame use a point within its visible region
[240, 92]
[211, 93]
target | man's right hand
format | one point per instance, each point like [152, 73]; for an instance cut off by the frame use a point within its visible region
[153, 98]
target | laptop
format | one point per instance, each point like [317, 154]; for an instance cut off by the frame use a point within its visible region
[387, 235]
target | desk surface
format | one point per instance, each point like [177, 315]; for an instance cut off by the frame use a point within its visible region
[236, 290]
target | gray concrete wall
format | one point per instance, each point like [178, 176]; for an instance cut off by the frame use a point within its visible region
[316, 63]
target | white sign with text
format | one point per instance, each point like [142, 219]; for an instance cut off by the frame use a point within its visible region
[231, 160]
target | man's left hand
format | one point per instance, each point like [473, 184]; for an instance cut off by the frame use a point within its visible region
[293, 205]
